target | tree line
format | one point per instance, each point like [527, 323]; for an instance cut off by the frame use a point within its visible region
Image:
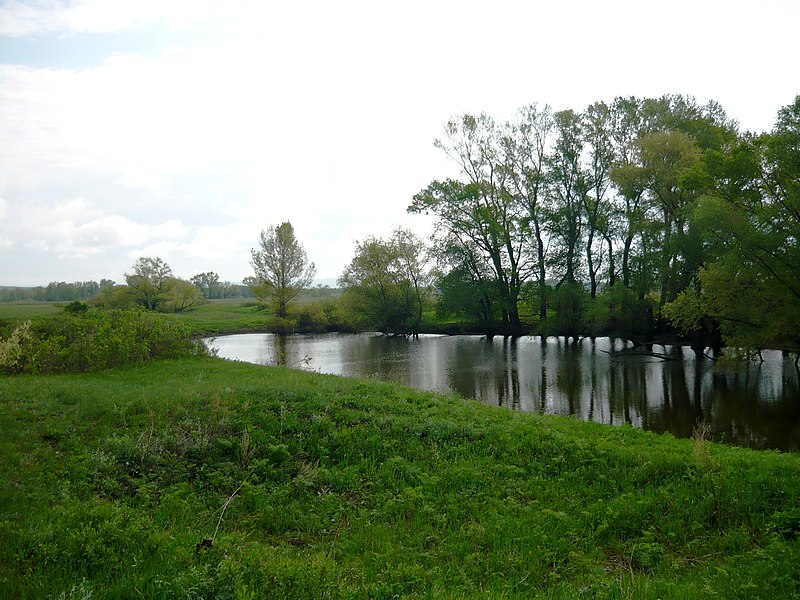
[151, 284]
[629, 217]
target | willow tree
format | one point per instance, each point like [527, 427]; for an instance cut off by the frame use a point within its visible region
[385, 285]
[281, 267]
[481, 212]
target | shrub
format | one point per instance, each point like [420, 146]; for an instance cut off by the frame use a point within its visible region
[93, 341]
[15, 349]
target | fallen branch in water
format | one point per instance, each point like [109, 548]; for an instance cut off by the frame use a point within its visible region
[638, 352]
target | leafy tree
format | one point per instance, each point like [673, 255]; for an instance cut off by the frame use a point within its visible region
[385, 283]
[753, 222]
[209, 284]
[281, 267]
[413, 259]
[150, 283]
[468, 288]
[569, 184]
[597, 204]
[183, 295]
[525, 145]
[569, 301]
[481, 213]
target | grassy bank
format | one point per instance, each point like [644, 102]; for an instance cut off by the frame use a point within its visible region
[204, 478]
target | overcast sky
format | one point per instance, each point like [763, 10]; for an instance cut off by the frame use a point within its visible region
[182, 128]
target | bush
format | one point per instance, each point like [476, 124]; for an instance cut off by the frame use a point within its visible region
[94, 341]
[316, 317]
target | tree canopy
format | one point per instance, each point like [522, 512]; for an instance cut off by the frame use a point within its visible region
[661, 196]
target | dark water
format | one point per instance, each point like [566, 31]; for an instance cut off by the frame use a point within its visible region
[758, 406]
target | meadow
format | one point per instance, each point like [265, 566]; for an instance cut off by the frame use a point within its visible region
[201, 478]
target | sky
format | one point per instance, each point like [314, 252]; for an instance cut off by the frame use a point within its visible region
[182, 128]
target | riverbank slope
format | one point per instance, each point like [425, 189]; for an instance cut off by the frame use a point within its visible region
[201, 477]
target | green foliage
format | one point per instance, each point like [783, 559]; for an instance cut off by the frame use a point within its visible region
[569, 301]
[385, 284]
[281, 267]
[55, 291]
[150, 283]
[617, 311]
[181, 296]
[751, 222]
[76, 308]
[16, 348]
[317, 317]
[462, 296]
[94, 341]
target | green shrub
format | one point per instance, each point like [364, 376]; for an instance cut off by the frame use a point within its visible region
[15, 349]
[94, 341]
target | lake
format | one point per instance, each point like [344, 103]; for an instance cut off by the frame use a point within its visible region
[756, 406]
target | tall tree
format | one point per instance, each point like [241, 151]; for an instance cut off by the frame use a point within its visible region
[413, 259]
[209, 284]
[753, 286]
[525, 144]
[569, 184]
[597, 206]
[481, 211]
[281, 266]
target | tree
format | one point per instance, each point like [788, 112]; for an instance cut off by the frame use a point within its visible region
[752, 286]
[150, 282]
[482, 213]
[468, 287]
[597, 206]
[183, 295]
[412, 256]
[525, 145]
[386, 283]
[568, 185]
[209, 284]
[281, 266]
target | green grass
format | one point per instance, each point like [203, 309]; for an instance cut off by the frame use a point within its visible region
[315, 486]
[14, 312]
[226, 316]
[218, 316]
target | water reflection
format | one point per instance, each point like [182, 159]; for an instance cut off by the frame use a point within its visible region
[757, 407]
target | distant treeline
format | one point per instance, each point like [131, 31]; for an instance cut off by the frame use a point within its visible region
[62, 291]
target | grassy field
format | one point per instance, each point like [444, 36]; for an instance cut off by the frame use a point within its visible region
[218, 316]
[226, 316]
[14, 312]
[231, 315]
[200, 478]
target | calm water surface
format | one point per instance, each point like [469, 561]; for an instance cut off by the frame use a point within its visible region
[758, 406]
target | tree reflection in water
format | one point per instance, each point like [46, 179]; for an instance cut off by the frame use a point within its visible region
[757, 406]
